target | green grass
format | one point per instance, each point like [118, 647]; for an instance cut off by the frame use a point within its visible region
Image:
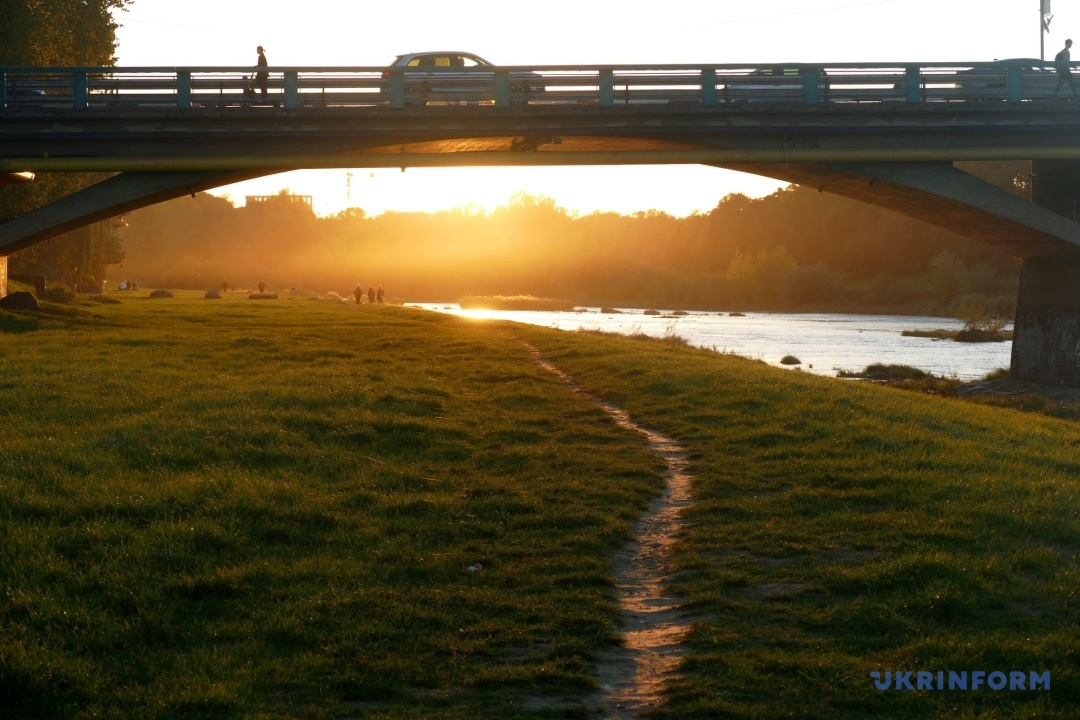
[879, 371]
[843, 528]
[239, 509]
[965, 335]
[218, 509]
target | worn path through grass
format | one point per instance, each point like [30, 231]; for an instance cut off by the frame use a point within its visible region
[635, 675]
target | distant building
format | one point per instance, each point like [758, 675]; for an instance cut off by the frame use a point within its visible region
[284, 196]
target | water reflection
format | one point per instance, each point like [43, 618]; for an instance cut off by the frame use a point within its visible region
[823, 342]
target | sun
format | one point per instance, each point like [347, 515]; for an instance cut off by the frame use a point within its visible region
[678, 190]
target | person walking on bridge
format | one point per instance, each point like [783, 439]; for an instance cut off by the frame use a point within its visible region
[1063, 63]
[262, 78]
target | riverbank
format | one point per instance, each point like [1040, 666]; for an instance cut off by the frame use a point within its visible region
[231, 508]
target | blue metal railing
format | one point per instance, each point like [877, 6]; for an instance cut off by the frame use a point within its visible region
[708, 86]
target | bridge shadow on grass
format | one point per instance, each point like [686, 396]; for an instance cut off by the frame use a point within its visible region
[52, 315]
[18, 324]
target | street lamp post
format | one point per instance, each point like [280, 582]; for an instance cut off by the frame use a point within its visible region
[1045, 17]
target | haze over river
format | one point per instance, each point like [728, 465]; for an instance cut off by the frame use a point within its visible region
[823, 342]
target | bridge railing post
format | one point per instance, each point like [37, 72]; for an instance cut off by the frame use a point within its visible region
[811, 90]
[502, 88]
[1014, 84]
[78, 90]
[913, 85]
[607, 87]
[708, 87]
[397, 88]
[292, 89]
[183, 89]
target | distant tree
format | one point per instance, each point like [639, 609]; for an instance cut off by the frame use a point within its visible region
[58, 32]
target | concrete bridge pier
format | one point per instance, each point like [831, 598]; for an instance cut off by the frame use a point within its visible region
[1046, 340]
[3, 276]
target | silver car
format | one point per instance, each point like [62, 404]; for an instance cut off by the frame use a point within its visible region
[458, 77]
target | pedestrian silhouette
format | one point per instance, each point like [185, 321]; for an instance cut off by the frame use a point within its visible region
[262, 78]
[1063, 63]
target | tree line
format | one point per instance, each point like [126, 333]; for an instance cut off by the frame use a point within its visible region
[794, 250]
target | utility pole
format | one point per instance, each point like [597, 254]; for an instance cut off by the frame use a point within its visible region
[1045, 17]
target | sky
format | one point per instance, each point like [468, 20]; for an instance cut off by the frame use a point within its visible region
[164, 33]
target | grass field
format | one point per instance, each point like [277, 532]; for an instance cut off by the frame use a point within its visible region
[268, 509]
[226, 508]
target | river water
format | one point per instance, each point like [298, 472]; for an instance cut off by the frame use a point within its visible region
[823, 342]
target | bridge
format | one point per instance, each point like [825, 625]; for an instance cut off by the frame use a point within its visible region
[887, 134]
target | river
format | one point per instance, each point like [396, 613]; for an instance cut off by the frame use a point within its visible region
[823, 342]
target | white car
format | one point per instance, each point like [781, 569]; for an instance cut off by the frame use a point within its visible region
[1039, 80]
[456, 77]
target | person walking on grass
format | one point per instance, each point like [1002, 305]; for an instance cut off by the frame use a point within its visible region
[371, 295]
[1063, 63]
[380, 295]
[358, 293]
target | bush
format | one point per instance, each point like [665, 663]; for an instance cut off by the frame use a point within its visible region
[790, 360]
[971, 310]
[58, 294]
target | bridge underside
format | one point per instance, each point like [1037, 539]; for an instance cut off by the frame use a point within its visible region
[111, 197]
[933, 192]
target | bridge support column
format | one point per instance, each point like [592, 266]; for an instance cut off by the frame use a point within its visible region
[1046, 338]
[1046, 334]
[3, 276]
